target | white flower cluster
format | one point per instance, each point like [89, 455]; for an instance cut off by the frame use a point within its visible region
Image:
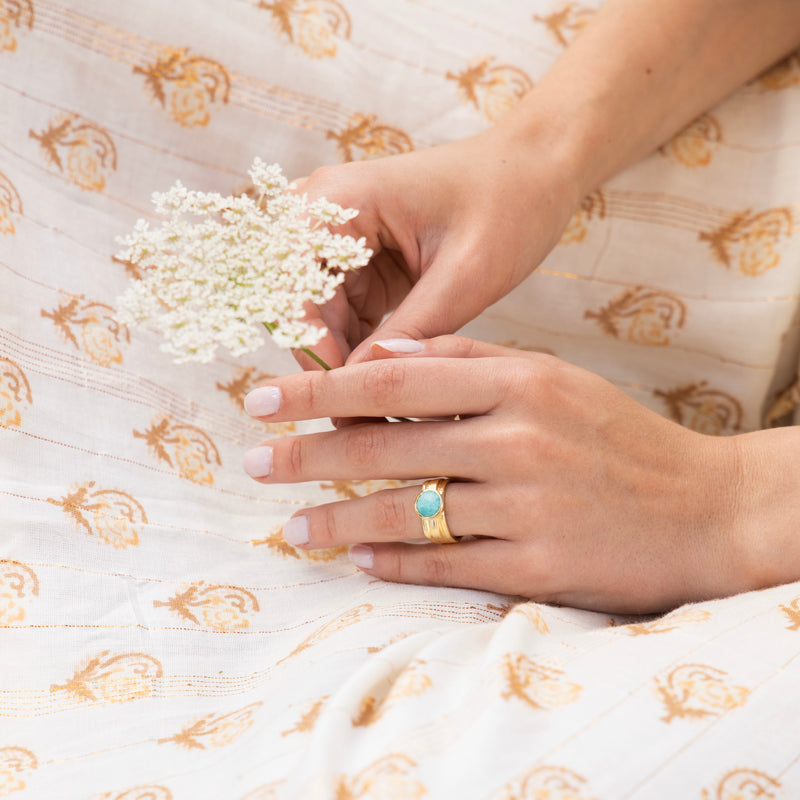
[223, 270]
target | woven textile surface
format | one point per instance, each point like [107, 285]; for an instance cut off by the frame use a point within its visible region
[159, 639]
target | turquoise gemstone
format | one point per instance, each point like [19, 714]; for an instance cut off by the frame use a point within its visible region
[428, 504]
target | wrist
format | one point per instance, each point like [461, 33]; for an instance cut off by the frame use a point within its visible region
[592, 125]
[766, 525]
[548, 147]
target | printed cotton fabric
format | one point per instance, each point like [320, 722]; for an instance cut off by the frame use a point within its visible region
[159, 640]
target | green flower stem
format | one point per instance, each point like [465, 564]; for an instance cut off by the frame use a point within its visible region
[320, 361]
[270, 326]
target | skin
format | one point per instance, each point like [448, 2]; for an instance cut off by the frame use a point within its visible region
[456, 227]
[567, 490]
[595, 502]
[448, 241]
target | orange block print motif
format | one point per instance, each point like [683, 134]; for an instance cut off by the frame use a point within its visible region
[91, 327]
[18, 583]
[566, 21]
[109, 678]
[365, 138]
[14, 15]
[149, 792]
[784, 75]
[279, 546]
[215, 730]
[547, 783]
[80, 150]
[697, 691]
[390, 777]
[785, 403]
[592, 207]
[412, 682]
[10, 204]
[694, 146]
[533, 613]
[308, 719]
[217, 608]
[670, 622]
[537, 684]
[744, 784]
[313, 25]
[185, 448]
[15, 393]
[347, 619]
[492, 88]
[113, 516]
[750, 241]
[185, 85]
[642, 316]
[269, 791]
[703, 409]
[15, 764]
[133, 270]
[792, 612]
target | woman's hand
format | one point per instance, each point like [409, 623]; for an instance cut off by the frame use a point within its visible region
[453, 229]
[570, 491]
[456, 227]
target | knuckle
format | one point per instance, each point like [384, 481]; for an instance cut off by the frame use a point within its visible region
[386, 378]
[310, 391]
[520, 439]
[295, 460]
[530, 379]
[321, 179]
[391, 564]
[364, 445]
[437, 568]
[389, 513]
[340, 183]
[516, 382]
[459, 346]
[327, 533]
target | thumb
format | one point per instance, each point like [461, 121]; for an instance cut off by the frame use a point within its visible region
[439, 303]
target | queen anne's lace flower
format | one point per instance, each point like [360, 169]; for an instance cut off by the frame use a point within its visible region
[219, 270]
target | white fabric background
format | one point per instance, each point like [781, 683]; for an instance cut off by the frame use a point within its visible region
[158, 640]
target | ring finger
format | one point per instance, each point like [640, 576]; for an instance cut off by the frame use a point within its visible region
[389, 516]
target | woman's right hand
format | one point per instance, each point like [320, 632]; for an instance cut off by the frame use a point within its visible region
[453, 229]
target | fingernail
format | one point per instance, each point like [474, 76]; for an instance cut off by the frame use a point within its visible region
[362, 555]
[263, 401]
[295, 531]
[258, 462]
[399, 345]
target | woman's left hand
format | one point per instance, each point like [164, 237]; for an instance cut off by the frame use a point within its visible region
[570, 492]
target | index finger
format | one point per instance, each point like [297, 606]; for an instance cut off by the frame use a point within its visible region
[406, 387]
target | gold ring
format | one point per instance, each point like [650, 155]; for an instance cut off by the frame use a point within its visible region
[429, 506]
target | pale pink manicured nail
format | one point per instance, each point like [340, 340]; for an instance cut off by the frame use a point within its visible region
[295, 531]
[400, 345]
[258, 462]
[263, 401]
[362, 555]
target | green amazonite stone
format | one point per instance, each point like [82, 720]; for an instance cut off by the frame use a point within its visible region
[428, 504]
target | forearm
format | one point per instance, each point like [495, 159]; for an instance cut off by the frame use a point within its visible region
[642, 70]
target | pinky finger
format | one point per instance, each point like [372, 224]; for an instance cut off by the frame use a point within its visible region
[486, 564]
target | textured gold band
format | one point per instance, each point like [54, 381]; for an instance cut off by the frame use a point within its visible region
[429, 506]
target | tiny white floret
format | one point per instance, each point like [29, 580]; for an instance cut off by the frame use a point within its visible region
[222, 270]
